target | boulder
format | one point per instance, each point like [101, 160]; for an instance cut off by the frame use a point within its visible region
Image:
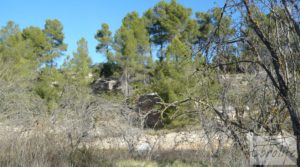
[105, 85]
[143, 149]
[153, 120]
[147, 107]
[148, 102]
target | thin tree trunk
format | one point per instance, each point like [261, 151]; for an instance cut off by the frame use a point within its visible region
[161, 58]
[126, 82]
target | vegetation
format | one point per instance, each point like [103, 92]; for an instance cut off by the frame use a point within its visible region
[243, 56]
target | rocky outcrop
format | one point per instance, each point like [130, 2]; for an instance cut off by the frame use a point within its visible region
[153, 120]
[148, 109]
[101, 85]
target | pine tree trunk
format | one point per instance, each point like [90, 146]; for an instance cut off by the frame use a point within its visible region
[298, 149]
[125, 83]
[161, 58]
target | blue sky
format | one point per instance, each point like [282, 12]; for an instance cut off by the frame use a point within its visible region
[82, 18]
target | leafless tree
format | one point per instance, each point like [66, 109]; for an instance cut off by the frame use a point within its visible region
[269, 31]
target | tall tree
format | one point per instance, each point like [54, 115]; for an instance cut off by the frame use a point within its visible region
[17, 60]
[48, 43]
[53, 30]
[38, 42]
[216, 28]
[165, 21]
[104, 37]
[81, 62]
[132, 47]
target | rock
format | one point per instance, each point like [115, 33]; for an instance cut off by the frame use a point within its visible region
[143, 149]
[147, 107]
[111, 84]
[153, 120]
[105, 85]
[148, 102]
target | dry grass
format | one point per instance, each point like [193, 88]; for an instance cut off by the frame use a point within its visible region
[47, 149]
[43, 149]
[64, 137]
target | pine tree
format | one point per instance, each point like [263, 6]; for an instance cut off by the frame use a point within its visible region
[17, 61]
[48, 43]
[53, 30]
[166, 21]
[211, 24]
[132, 48]
[104, 37]
[80, 64]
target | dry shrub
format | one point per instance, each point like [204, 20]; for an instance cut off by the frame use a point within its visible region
[39, 148]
